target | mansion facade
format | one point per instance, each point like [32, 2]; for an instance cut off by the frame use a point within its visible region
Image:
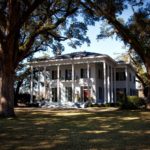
[80, 77]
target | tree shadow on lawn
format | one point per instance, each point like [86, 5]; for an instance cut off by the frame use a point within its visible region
[75, 130]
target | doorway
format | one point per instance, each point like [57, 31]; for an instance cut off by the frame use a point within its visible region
[85, 93]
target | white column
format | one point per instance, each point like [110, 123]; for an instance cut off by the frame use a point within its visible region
[73, 86]
[126, 73]
[115, 85]
[88, 77]
[44, 82]
[104, 70]
[108, 84]
[31, 86]
[112, 94]
[88, 70]
[38, 84]
[58, 80]
[49, 85]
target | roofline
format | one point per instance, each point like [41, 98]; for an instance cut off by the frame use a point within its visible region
[104, 57]
[126, 64]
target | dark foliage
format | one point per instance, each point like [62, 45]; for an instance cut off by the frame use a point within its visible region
[131, 102]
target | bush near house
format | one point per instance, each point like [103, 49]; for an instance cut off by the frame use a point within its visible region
[24, 98]
[131, 102]
[101, 105]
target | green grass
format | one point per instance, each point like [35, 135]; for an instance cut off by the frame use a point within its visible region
[89, 129]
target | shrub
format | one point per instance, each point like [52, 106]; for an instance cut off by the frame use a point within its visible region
[131, 102]
[25, 98]
[101, 105]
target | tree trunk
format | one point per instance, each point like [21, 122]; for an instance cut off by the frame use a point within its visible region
[7, 92]
[148, 97]
[147, 64]
[0, 83]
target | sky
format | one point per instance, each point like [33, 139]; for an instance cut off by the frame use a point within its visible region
[109, 46]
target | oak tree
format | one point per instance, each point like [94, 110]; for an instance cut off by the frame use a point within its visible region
[135, 32]
[24, 24]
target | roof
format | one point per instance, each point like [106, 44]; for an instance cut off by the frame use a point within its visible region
[121, 62]
[71, 55]
[77, 54]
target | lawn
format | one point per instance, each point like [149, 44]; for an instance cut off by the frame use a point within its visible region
[88, 129]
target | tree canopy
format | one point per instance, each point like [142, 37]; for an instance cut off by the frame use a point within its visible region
[135, 32]
[28, 26]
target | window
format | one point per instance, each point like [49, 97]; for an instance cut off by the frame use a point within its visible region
[100, 74]
[68, 93]
[100, 93]
[132, 92]
[54, 74]
[68, 74]
[134, 79]
[54, 94]
[83, 73]
[90, 73]
[120, 76]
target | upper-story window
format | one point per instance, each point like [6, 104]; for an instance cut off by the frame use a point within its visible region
[83, 73]
[134, 79]
[120, 74]
[68, 74]
[100, 74]
[54, 74]
[90, 75]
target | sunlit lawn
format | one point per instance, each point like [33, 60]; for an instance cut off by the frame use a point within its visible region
[89, 129]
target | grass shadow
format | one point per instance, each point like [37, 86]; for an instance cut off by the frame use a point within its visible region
[36, 128]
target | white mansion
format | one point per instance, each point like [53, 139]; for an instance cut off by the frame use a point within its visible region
[81, 76]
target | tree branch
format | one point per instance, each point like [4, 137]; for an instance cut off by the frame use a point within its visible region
[126, 35]
[29, 11]
[121, 30]
[42, 29]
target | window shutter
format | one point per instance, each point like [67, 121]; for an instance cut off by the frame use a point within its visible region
[66, 74]
[81, 73]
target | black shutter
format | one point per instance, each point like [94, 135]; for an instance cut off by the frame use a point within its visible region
[81, 73]
[52, 74]
[66, 74]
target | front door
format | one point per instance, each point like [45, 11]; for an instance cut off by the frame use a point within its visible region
[85, 93]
